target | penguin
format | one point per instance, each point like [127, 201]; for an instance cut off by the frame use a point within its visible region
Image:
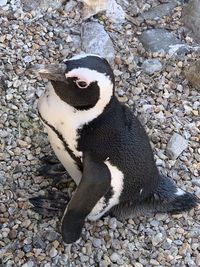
[102, 146]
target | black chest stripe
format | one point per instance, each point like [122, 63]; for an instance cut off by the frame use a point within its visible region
[60, 136]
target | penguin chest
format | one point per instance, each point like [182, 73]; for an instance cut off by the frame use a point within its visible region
[62, 128]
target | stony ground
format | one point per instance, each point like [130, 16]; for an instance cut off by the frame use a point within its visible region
[163, 100]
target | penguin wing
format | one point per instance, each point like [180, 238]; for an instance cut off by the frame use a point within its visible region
[94, 184]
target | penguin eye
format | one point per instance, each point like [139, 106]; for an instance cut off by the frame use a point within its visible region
[81, 84]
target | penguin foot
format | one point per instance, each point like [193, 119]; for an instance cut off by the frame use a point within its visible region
[53, 204]
[50, 160]
[53, 169]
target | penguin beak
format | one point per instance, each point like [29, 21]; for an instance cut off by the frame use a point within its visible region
[53, 72]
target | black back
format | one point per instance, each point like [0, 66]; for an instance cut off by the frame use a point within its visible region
[119, 135]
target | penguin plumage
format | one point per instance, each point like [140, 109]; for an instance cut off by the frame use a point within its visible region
[103, 147]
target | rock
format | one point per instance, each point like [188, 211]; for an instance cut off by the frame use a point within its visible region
[151, 65]
[95, 40]
[191, 18]
[70, 5]
[92, 7]
[137, 264]
[51, 235]
[3, 2]
[41, 5]
[38, 242]
[115, 12]
[177, 144]
[157, 40]
[13, 234]
[157, 239]
[53, 252]
[192, 74]
[159, 11]
[115, 257]
[28, 264]
[96, 242]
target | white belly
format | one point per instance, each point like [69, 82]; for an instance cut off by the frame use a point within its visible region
[64, 157]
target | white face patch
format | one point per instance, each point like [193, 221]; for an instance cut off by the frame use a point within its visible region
[179, 192]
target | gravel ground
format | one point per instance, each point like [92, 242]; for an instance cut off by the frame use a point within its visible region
[165, 104]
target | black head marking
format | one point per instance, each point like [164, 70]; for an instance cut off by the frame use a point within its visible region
[85, 77]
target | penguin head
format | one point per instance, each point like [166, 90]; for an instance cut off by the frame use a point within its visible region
[81, 81]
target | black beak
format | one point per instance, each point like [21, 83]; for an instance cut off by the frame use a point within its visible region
[53, 72]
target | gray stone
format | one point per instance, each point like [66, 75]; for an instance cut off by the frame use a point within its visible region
[96, 242]
[177, 144]
[28, 264]
[70, 5]
[115, 12]
[38, 242]
[151, 65]
[3, 2]
[157, 239]
[192, 74]
[159, 11]
[27, 248]
[157, 40]
[51, 235]
[42, 5]
[95, 40]
[115, 257]
[191, 17]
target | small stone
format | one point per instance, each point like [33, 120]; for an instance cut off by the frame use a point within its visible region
[38, 242]
[150, 66]
[9, 97]
[51, 235]
[3, 2]
[176, 145]
[28, 264]
[154, 262]
[13, 234]
[96, 242]
[137, 264]
[115, 257]
[53, 252]
[157, 239]
[16, 83]
[27, 248]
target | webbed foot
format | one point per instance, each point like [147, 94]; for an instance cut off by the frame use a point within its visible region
[53, 169]
[53, 204]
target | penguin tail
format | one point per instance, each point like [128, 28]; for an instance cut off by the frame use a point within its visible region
[167, 198]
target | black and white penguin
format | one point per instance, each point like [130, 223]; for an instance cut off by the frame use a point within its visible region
[103, 147]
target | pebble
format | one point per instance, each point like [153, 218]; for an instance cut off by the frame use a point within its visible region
[150, 66]
[53, 252]
[157, 239]
[176, 145]
[115, 257]
[3, 2]
[13, 234]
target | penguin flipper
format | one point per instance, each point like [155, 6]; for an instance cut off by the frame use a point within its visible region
[53, 204]
[94, 184]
